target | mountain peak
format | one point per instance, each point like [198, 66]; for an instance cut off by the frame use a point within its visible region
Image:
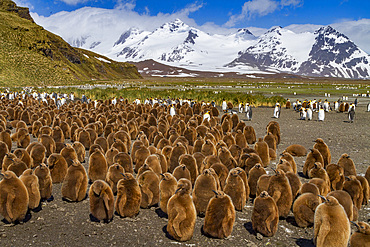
[176, 25]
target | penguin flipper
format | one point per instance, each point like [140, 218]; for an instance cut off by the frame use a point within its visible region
[9, 203]
[180, 217]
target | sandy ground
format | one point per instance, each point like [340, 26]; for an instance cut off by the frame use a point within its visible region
[67, 224]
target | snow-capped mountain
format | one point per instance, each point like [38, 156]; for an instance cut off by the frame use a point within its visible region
[324, 52]
[181, 45]
[334, 55]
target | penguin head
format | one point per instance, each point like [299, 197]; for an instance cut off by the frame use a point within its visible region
[97, 187]
[264, 194]
[8, 175]
[183, 186]
[329, 200]
[362, 227]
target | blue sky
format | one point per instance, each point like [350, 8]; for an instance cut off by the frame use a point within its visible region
[230, 14]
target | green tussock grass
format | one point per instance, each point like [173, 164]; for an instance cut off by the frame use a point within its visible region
[131, 93]
[30, 55]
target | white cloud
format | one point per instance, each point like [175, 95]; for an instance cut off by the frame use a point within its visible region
[126, 4]
[24, 3]
[259, 8]
[73, 2]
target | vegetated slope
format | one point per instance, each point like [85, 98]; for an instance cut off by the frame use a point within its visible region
[30, 55]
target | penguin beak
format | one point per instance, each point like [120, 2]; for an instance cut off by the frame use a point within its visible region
[273, 169]
[347, 178]
[215, 192]
[348, 157]
[355, 224]
[1, 174]
[322, 197]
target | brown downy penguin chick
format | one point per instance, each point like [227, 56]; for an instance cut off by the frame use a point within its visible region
[114, 174]
[215, 175]
[58, 167]
[367, 174]
[250, 134]
[17, 166]
[360, 238]
[309, 188]
[80, 151]
[324, 150]
[181, 171]
[204, 184]
[288, 157]
[331, 225]
[7, 161]
[37, 154]
[253, 177]
[128, 196]
[248, 161]
[176, 152]
[235, 188]
[57, 134]
[312, 157]
[222, 173]
[220, 216]
[143, 169]
[321, 184]
[354, 189]
[75, 183]
[13, 198]
[110, 154]
[263, 151]
[149, 185]
[274, 128]
[284, 166]
[244, 177]
[167, 188]
[296, 150]
[31, 181]
[48, 143]
[140, 156]
[101, 201]
[240, 139]
[102, 142]
[280, 191]
[347, 164]
[272, 154]
[23, 138]
[3, 151]
[45, 182]
[22, 154]
[69, 154]
[295, 183]
[98, 166]
[304, 208]
[336, 176]
[226, 158]
[190, 163]
[125, 161]
[153, 162]
[84, 138]
[270, 140]
[181, 212]
[318, 171]
[208, 148]
[265, 215]
[365, 189]
[5, 137]
[263, 183]
[346, 201]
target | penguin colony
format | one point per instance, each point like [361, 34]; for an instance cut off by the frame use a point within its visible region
[143, 155]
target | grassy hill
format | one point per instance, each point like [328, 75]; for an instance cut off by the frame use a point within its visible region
[30, 55]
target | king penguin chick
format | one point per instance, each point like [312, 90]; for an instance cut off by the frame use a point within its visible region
[331, 225]
[114, 174]
[128, 196]
[13, 198]
[265, 215]
[361, 238]
[235, 188]
[279, 189]
[304, 208]
[203, 191]
[45, 182]
[220, 216]
[181, 212]
[101, 201]
[75, 183]
[31, 181]
[167, 188]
